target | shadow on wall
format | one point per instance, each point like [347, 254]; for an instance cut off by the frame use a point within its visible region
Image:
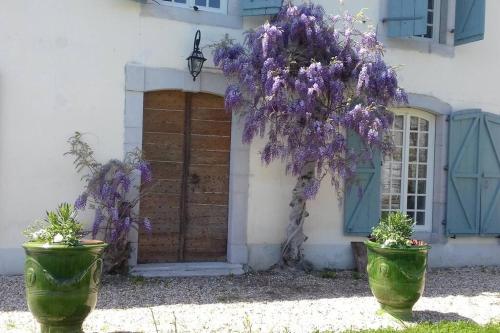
[134, 292]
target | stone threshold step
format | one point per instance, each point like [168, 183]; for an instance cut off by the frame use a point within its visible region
[187, 269]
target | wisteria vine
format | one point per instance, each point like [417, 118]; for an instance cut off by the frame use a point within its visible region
[108, 191]
[302, 81]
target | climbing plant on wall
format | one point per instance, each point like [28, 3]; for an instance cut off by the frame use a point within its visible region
[301, 81]
[110, 191]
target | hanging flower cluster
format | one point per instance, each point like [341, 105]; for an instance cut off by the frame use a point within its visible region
[108, 188]
[302, 81]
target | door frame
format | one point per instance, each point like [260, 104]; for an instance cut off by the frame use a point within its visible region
[140, 79]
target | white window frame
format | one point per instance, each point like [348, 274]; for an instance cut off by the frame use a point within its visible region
[443, 41]
[191, 3]
[436, 23]
[408, 112]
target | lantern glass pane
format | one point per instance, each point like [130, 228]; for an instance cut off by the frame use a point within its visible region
[197, 65]
[201, 3]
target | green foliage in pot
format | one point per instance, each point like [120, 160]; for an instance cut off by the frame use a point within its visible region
[58, 227]
[394, 230]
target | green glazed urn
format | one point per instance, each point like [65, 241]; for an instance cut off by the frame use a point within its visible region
[397, 277]
[61, 283]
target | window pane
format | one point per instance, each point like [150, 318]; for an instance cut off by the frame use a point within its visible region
[386, 173]
[395, 186]
[412, 184]
[413, 123]
[385, 202]
[429, 31]
[410, 202]
[421, 202]
[386, 187]
[422, 155]
[423, 140]
[421, 187]
[411, 215]
[398, 138]
[398, 122]
[423, 125]
[430, 18]
[413, 154]
[420, 218]
[180, 1]
[200, 2]
[396, 170]
[412, 171]
[422, 171]
[413, 139]
[395, 202]
[397, 154]
[214, 3]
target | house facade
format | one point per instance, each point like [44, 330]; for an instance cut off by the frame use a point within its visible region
[117, 71]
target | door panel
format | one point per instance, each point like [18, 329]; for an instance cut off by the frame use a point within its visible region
[166, 99]
[207, 127]
[164, 121]
[186, 138]
[163, 142]
[206, 230]
[490, 187]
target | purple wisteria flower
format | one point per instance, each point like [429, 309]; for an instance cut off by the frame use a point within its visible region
[108, 191]
[303, 81]
[81, 201]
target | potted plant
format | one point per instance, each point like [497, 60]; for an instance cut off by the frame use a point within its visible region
[62, 273]
[396, 265]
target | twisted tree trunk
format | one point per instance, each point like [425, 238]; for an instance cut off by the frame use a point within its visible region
[291, 249]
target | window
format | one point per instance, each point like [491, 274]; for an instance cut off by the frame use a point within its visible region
[432, 20]
[219, 6]
[413, 18]
[406, 177]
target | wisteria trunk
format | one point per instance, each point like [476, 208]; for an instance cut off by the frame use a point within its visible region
[291, 249]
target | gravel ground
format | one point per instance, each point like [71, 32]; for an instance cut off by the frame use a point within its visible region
[264, 302]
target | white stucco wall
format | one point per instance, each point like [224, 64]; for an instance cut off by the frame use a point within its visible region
[465, 79]
[62, 69]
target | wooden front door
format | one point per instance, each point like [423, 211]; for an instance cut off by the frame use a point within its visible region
[186, 138]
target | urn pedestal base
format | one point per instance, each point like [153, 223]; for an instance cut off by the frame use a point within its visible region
[61, 329]
[401, 314]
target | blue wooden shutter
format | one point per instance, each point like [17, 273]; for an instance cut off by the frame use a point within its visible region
[260, 7]
[463, 211]
[406, 18]
[362, 198]
[489, 152]
[469, 21]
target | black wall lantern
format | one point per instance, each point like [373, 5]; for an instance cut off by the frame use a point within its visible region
[196, 59]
